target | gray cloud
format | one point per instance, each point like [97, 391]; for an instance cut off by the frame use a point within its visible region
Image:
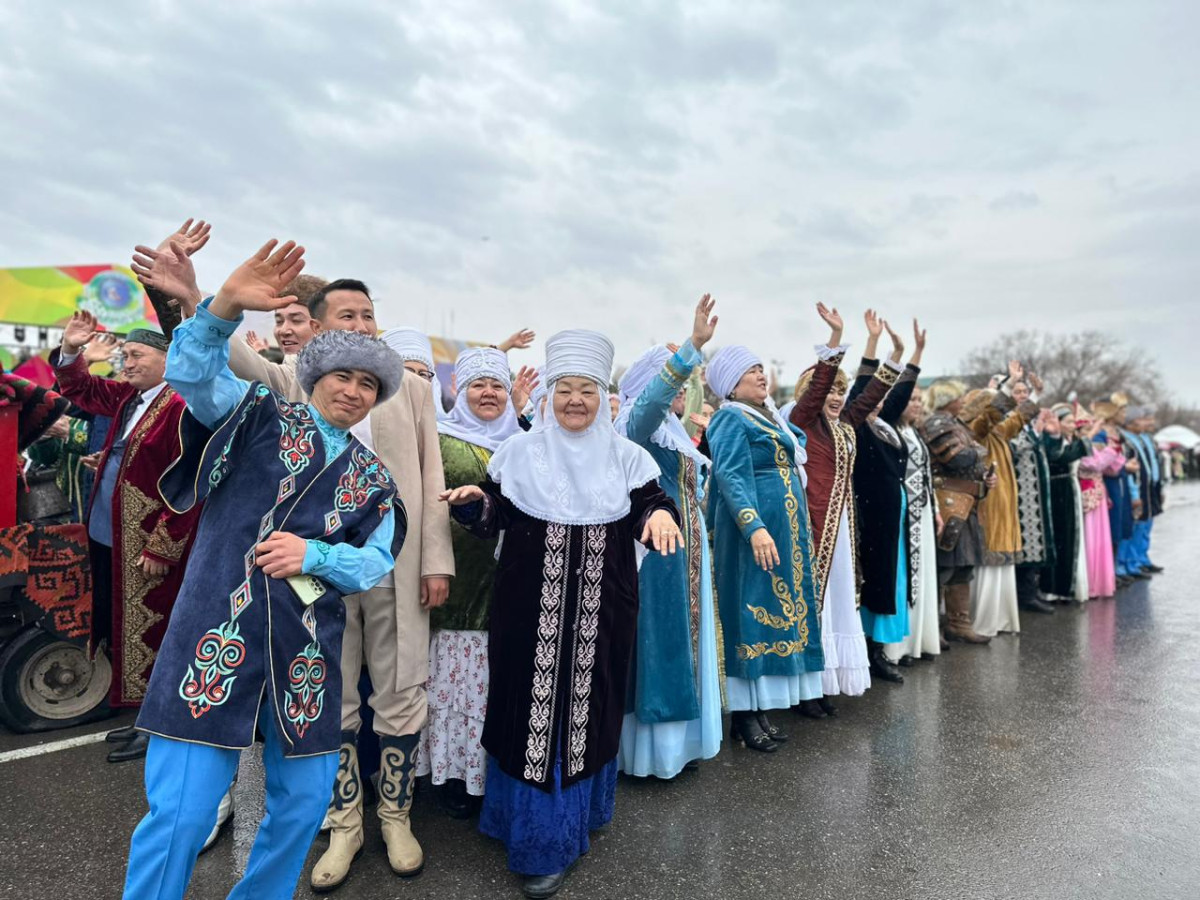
[985, 167]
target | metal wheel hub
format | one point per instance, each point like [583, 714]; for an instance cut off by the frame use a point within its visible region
[60, 682]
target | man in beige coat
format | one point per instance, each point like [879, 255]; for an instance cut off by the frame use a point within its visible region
[387, 626]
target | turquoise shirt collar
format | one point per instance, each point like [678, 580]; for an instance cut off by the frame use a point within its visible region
[336, 439]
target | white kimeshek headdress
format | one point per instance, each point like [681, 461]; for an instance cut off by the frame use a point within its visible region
[414, 345]
[671, 434]
[582, 478]
[725, 370]
[461, 422]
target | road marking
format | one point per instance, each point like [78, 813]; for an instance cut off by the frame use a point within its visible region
[41, 749]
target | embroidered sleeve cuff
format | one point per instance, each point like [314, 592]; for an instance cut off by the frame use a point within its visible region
[888, 373]
[749, 522]
[317, 558]
[213, 330]
[831, 354]
[679, 366]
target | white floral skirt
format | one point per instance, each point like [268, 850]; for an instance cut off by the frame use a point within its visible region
[457, 694]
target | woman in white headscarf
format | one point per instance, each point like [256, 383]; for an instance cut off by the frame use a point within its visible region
[769, 616]
[673, 710]
[483, 417]
[572, 497]
[415, 348]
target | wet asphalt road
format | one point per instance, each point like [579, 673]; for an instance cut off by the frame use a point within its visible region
[1059, 764]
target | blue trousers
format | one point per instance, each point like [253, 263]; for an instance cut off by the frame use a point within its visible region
[184, 785]
[1141, 542]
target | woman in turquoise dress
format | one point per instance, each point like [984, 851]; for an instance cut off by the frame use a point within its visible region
[673, 711]
[763, 554]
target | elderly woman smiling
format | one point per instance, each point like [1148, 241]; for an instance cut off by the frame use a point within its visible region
[773, 656]
[572, 497]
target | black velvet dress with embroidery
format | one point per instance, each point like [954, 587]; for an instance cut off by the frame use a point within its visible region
[880, 468]
[561, 635]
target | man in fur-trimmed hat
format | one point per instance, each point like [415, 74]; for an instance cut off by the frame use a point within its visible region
[298, 514]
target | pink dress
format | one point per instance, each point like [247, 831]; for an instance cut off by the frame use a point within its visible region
[1097, 534]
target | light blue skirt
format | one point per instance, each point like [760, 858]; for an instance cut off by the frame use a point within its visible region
[662, 749]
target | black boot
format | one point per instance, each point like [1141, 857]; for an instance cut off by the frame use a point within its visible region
[455, 799]
[827, 706]
[135, 749]
[539, 887]
[774, 732]
[121, 735]
[745, 728]
[880, 667]
[810, 709]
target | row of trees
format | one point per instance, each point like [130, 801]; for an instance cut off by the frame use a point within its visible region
[1086, 365]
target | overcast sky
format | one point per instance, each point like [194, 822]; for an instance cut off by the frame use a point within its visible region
[484, 166]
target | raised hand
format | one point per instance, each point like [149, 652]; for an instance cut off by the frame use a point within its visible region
[255, 343]
[519, 340]
[256, 283]
[661, 532]
[1015, 370]
[704, 323]
[170, 272]
[831, 317]
[78, 331]
[918, 336]
[1051, 423]
[523, 387]
[874, 323]
[897, 342]
[700, 421]
[1035, 382]
[190, 237]
[462, 496]
[101, 347]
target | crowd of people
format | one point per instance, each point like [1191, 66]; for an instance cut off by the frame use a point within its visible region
[543, 584]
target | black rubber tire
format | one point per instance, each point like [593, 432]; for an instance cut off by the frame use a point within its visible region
[76, 706]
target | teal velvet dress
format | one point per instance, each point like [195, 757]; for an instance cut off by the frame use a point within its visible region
[772, 637]
[673, 713]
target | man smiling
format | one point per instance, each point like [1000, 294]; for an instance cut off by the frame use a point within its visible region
[388, 625]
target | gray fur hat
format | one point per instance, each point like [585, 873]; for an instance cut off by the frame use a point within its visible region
[349, 351]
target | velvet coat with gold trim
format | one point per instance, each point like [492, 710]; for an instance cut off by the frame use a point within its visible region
[831, 448]
[141, 523]
[770, 619]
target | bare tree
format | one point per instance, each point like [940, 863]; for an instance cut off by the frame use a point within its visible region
[1088, 364]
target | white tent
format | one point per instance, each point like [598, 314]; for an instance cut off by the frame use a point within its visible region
[1178, 434]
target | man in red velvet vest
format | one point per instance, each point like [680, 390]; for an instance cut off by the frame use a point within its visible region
[138, 546]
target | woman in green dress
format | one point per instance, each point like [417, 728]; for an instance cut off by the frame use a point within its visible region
[483, 417]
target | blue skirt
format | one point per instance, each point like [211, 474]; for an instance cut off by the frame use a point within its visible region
[545, 831]
[894, 628]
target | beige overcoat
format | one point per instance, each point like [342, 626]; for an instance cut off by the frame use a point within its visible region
[404, 432]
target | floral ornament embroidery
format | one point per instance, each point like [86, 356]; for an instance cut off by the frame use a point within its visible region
[220, 466]
[306, 698]
[364, 477]
[207, 682]
[296, 448]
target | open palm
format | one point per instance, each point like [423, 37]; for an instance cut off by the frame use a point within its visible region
[256, 283]
[168, 271]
